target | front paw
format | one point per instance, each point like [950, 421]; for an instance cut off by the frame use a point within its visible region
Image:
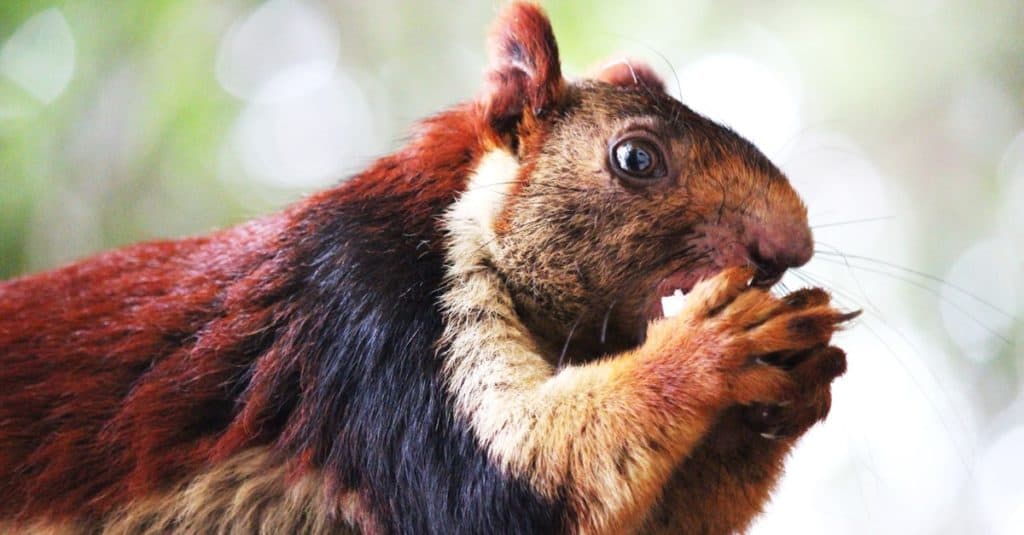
[813, 372]
[760, 349]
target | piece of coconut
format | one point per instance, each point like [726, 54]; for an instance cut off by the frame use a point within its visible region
[673, 304]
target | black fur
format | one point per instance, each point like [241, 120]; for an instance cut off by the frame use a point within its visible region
[375, 412]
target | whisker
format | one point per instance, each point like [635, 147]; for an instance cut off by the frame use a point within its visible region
[836, 252]
[675, 75]
[852, 221]
[880, 317]
[568, 338]
[557, 187]
[932, 403]
[604, 322]
[529, 226]
[836, 148]
[848, 301]
[932, 291]
[856, 281]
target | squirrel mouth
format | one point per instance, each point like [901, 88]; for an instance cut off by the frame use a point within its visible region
[670, 294]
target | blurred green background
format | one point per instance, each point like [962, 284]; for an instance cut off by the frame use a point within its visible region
[901, 123]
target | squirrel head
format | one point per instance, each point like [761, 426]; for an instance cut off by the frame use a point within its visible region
[614, 194]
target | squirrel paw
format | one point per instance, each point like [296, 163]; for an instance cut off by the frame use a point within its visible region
[813, 372]
[770, 351]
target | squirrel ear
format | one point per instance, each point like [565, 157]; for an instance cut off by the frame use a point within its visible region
[629, 72]
[524, 74]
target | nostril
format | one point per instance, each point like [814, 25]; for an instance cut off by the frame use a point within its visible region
[767, 277]
[769, 270]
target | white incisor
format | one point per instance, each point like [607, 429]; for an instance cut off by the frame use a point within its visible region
[673, 304]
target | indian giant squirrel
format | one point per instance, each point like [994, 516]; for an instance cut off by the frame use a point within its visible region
[467, 337]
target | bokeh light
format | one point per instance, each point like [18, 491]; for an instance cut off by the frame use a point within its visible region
[719, 86]
[40, 56]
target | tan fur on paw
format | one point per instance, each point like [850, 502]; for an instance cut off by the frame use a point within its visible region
[735, 334]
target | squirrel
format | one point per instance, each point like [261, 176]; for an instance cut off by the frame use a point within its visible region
[470, 336]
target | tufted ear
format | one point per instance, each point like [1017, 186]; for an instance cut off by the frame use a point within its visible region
[630, 72]
[524, 74]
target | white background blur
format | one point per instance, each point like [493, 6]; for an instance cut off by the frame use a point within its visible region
[901, 124]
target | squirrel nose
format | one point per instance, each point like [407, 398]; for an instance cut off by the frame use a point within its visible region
[773, 258]
[769, 270]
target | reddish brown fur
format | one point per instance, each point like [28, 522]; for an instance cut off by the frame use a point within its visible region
[116, 367]
[630, 72]
[525, 70]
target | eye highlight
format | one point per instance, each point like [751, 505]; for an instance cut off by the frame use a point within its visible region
[636, 160]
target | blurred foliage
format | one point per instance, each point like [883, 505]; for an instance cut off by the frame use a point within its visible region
[144, 74]
[142, 77]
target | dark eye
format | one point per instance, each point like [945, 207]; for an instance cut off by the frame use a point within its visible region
[636, 158]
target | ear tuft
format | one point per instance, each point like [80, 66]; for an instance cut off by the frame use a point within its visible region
[630, 72]
[525, 74]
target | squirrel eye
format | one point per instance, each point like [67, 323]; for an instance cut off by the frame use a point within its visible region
[636, 158]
